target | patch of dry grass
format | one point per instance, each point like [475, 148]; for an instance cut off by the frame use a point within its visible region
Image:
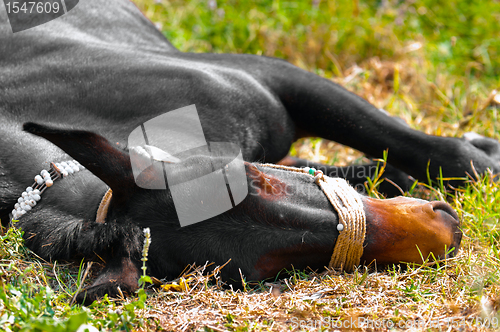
[419, 297]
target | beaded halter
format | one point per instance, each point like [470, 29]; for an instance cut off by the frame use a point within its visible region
[33, 194]
[352, 220]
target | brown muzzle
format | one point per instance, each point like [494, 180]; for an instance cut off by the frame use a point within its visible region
[409, 230]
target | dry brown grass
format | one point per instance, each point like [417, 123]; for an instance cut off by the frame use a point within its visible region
[419, 298]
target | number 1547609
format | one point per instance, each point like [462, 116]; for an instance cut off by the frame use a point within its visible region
[40, 7]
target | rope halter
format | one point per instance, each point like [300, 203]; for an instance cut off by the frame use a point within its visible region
[352, 220]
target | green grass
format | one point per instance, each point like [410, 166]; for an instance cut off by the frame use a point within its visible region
[459, 37]
[433, 63]
[36, 296]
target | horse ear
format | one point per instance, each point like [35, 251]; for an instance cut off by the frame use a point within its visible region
[93, 151]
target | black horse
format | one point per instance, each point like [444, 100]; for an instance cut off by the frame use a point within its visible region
[83, 82]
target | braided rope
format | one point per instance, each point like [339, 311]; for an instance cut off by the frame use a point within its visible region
[352, 220]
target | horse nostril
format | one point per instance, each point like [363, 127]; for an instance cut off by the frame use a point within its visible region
[457, 233]
[446, 208]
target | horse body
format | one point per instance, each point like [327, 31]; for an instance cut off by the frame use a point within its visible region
[81, 83]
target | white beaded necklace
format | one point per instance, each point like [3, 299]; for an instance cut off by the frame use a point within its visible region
[33, 194]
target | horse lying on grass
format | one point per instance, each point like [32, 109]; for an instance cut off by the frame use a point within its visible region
[82, 83]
